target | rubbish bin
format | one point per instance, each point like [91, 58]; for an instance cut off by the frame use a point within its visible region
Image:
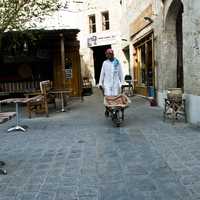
[151, 92]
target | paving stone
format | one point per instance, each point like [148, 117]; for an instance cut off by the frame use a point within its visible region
[31, 188]
[85, 190]
[68, 192]
[46, 195]
[23, 195]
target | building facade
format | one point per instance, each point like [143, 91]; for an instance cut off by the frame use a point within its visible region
[141, 38]
[49, 52]
[100, 30]
[177, 41]
[164, 42]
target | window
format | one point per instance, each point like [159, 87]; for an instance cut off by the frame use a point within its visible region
[144, 71]
[92, 24]
[105, 21]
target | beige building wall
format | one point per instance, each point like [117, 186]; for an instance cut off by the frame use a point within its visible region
[166, 50]
[164, 17]
[111, 37]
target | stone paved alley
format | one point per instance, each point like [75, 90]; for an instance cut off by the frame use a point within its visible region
[79, 155]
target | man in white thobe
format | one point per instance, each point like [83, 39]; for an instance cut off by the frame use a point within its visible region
[111, 77]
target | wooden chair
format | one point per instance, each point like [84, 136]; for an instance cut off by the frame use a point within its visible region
[174, 105]
[39, 103]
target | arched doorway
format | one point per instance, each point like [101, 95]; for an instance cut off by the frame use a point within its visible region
[174, 44]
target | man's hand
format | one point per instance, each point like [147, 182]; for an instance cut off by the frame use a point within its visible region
[100, 87]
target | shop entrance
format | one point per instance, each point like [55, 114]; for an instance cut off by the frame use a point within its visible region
[99, 57]
[144, 68]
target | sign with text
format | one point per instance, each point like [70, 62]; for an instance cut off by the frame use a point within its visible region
[68, 69]
[101, 39]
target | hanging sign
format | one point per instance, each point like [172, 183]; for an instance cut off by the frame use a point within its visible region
[68, 69]
[102, 39]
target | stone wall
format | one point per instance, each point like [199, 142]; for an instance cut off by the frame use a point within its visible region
[166, 50]
[191, 32]
[166, 53]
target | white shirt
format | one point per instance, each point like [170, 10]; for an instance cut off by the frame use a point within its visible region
[111, 77]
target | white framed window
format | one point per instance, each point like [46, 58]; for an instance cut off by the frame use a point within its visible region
[105, 21]
[92, 24]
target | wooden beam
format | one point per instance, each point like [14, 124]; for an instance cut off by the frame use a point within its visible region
[62, 53]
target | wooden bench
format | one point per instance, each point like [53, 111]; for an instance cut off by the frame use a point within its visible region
[5, 116]
[7, 88]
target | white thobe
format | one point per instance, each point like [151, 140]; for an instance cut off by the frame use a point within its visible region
[111, 77]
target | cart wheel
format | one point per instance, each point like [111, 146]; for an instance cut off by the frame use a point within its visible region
[118, 124]
[116, 118]
[3, 171]
[107, 113]
[122, 112]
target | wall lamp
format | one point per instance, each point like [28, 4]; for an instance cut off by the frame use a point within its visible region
[148, 19]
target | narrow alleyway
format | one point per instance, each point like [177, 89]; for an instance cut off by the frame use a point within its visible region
[79, 155]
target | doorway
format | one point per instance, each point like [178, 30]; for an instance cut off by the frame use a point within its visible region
[99, 57]
[174, 45]
[144, 67]
[179, 39]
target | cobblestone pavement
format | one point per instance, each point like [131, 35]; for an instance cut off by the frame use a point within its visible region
[79, 155]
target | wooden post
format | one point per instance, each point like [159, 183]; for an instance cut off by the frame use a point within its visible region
[62, 53]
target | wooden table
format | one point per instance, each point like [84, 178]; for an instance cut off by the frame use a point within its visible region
[4, 116]
[60, 94]
[17, 101]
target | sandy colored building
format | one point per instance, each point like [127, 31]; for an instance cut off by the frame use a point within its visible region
[100, 30]
[164, 45]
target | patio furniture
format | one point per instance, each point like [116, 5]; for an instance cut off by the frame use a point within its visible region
[39, 103]
[17, 101]
[60, 94]
[129, 85]
[174, 107]
[5, 116]
[18, 87]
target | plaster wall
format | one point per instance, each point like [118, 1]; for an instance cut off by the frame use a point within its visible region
[165, 47]
[111, 37]
[191, 46]
[130, 12]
